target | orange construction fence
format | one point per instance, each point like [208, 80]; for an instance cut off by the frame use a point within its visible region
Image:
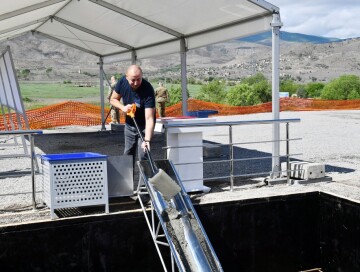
[72, 113]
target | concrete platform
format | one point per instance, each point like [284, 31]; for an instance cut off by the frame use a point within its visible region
[341, 163]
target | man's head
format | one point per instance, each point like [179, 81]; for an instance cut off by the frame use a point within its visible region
[134, 76]
[112, 79]
[161, 84]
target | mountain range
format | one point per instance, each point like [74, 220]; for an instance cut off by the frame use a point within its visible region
[265, 38]
[303, 57]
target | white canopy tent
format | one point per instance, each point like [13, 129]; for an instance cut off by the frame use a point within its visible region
[119, 30]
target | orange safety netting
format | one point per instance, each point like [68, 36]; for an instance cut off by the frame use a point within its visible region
[62, 114]
[81, 114]
[286, 104]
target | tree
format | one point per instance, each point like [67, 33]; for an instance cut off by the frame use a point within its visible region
[301, 92]
[176, 95]
[242, 95]
[343, 88]
[314, 89]
[260, 85]
[288, 85]
[212, 92]
[25, 73]
[263, 90]
[257, 78]
[192, 80]
[354, 95]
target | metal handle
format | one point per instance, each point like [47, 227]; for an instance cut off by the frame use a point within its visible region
[131, 113]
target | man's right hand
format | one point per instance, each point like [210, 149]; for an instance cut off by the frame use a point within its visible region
[130, 110]
[127, 108]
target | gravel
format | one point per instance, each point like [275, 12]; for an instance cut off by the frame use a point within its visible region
[328, 137]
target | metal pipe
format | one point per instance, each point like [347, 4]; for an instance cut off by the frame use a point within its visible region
[288, 171]
[133, 56]
[276, 25]
[231, 159]
[102, 100]
[183, 50]
[152, 224]
[166, 150]
[221, 123]
[32, 154]
[236, 143]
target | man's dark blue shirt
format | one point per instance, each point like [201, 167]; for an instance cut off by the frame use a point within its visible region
[143, 97]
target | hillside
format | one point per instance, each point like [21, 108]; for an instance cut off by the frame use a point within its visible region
[307, 61]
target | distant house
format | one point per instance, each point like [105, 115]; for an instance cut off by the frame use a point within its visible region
[283, 94]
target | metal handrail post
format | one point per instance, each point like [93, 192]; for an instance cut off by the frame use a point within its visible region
[231, 159]
[288, 171]
[33, 158]
[166, 150]
[30, 133]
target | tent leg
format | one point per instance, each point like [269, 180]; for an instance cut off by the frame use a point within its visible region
[183, 50]
[133, 57]
[101, 63]
[276, 25]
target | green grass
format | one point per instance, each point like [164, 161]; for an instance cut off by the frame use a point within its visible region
[57, 90]
[38, 95]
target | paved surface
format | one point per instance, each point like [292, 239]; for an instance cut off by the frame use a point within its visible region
[329, 137]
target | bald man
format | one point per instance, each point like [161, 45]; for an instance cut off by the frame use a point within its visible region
[132, 88]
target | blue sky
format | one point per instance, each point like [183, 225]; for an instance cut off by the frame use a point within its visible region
[326, 18]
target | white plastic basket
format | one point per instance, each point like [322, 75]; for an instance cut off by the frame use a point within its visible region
[74, 180]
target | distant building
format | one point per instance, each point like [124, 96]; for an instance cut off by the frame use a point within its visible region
[283, 94]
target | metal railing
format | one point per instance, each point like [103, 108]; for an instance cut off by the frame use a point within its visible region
[232, 159]
[30, 134]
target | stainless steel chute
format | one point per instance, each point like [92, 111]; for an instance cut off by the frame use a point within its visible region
[182, 230]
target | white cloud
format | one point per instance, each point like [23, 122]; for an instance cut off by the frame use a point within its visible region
[332, 18]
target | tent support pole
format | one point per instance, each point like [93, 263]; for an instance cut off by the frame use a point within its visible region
[133, 57]
[183, 50]
[101, 63]
[276, 25]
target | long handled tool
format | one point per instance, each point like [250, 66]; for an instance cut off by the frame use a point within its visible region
[112, 107]
[164, 185]
[161, 181]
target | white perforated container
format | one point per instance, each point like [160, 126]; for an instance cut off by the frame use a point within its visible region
[74, 180]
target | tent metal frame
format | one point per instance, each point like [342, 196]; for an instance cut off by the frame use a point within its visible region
[182, 38]
[9, 110]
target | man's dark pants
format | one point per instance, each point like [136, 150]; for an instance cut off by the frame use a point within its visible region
[133, 145]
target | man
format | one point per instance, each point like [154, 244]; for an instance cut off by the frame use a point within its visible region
[162, 96]
[132, 88]
[114, 112]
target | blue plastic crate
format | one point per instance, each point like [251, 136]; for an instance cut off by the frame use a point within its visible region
[191, 113]
[201, 113]
[72, 156]
[206, 113]
[74, 180]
